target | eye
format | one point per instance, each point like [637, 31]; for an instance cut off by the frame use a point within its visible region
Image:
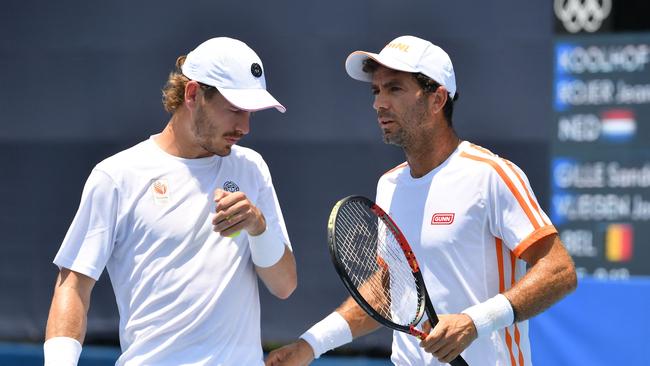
[374, 91]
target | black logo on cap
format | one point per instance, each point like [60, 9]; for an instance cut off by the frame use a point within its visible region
[256, 69]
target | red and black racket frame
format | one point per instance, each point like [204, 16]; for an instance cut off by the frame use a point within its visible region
[413, 264]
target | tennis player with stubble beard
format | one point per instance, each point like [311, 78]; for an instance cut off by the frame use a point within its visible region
[470, 216]
[184, 222]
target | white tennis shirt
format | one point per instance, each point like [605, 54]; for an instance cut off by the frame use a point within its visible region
[185, 294]
[467, 221]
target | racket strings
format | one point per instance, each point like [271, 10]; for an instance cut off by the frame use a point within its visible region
[376, 265]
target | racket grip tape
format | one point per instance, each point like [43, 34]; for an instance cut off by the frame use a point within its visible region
[418, 333]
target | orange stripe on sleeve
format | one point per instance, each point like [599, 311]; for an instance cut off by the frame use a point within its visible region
[510, 185]
[533, 238]
[530, 197]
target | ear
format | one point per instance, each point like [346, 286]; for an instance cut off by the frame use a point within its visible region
[191, 94]
[439, 99]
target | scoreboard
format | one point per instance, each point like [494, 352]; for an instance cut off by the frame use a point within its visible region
[600, 152]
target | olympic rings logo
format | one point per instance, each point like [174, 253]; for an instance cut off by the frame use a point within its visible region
[577, 15]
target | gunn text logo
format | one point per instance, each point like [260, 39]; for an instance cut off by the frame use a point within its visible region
[442, 218]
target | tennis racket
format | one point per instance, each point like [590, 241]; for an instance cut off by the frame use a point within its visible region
[378, 267]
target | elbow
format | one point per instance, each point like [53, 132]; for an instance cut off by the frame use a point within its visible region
[570, 279]
[287, 289]
[573, 282]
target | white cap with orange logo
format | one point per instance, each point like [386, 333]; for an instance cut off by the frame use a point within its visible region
[408, 54]
[234, 69]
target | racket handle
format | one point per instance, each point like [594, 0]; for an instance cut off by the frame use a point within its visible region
[418, 333]
[458, 361]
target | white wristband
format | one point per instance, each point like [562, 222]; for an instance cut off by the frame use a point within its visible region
[327, 334]
[61, 351]
[266, 248]
[494, 314]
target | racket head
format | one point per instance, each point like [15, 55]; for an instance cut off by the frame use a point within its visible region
[376, 264]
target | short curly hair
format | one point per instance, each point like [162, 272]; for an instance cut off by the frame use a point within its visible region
[173, 93]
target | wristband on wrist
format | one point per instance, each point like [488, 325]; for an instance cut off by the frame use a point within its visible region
[266, 248]
[494, 314]
[327, 334]
[61, 351]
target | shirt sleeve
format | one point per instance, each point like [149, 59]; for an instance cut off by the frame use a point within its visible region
[515, 215]
[269, 205]
[90, 239]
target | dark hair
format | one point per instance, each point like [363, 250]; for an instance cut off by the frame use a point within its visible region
[427, 84]
[173, 93]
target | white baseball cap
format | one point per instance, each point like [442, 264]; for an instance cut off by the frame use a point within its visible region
[235, 70]
[408, 54]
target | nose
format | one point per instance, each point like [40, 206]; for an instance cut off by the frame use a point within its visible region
[380, 102]
[243, 123]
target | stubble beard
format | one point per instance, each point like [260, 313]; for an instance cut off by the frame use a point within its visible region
[396, 138]
[203, 132]
[415, 117]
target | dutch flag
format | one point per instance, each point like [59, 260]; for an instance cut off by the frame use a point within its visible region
[618, 125]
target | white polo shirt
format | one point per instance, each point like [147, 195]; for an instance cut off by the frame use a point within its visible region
[467, 221]
[185, 294]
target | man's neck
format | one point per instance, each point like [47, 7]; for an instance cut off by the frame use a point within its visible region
[176, 137]
[431, 153]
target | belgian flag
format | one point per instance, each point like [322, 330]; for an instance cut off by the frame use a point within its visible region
[619, 242]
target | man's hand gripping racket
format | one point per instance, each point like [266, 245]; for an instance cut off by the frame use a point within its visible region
[378, 267]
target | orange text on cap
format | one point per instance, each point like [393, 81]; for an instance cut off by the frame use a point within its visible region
[400, 46]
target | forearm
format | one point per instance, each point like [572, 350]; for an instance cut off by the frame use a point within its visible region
[358, 320]
[528, 298]
[69, 309]
[281, 278]
[551, 277]
[66, 324]
[67, 316]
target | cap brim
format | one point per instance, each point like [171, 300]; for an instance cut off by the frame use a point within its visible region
[251, 99]
[354, 64]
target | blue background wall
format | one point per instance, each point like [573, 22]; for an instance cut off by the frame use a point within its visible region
[81, 81]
